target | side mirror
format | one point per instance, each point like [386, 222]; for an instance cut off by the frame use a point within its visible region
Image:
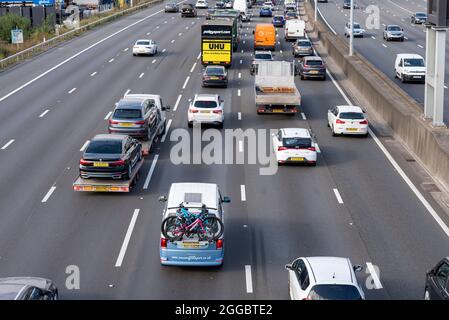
[288, 266]
[226, 200]
[166, 108]
[357, 268]
[162, 199]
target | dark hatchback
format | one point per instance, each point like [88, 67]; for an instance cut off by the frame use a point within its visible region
[188, 10]
[171, 7]
[278, 21]
[27, 288]
[437, 282]
[312, 67]
[110, 156]
[215, 76]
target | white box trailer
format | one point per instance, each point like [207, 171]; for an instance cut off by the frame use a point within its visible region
[275, 89]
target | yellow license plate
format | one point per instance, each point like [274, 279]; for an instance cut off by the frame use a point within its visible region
[351, 129]
[191, 245]
[314, 72]
[278, 110]
[101, 188]
[204, 111]
[296, 159]
[126, 124]
[101, 164]
[214, 78]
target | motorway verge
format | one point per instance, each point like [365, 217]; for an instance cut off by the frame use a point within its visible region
[381, 96]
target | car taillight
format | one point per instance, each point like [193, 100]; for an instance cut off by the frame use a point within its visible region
[139, 122]
[219, 244]
[85, 162]
[364, 122]
[163, 243]
[113, 122]
[340, 121]
[282, 148]
[311, 149]
[193, 110]
[118, 163]
[217, 111]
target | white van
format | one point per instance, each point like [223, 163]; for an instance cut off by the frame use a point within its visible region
[295, 29]
[410, 67]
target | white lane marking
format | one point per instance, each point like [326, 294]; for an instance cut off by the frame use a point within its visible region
[154, 61]
[72, 90]
[238, 92]
[84, 146]
[303, 116]
[420, 46]
[121, 255]
[396, 166]
[244, 41]
[445, 87]
[405, 38]
[243, 192]
[48, 195]
[8, 144]
[241, 61]
[185, 82]
[127, 91]
[317, 147]
[240, 146]
[150, 173]
[141, 75]
[373, 37]
[239, 116]
[411, 12]
[280, 51]
[126, 49]
[242, 50]
[199, 56]
[157, 27]
[187, 28]
[384, 45]
[240, 75]
[164, 50]
[249, 280]
[338, 196]
[165, 21]
[179, 34]
[148, 33]
[44, 113]
[173, 41]
[108, 115]
[111, 60]
[193, 67]
[76, 55]
[374, 275]
[93, 73]
[177, 102]
[327, 23]
[166, 130]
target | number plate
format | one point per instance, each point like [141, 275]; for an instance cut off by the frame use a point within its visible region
[190, 245]
[278, 110]
[416, 77]
[314, 72]
[125, 124]
[101, 188]
[204, 111]
[101, 164]
[297, 159]
[214, 78]
[352, 129]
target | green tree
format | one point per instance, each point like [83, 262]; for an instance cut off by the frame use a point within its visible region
[13, 21]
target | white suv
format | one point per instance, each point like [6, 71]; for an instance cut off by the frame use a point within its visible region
[294, 145]
[323, 278]
[206, 108]
[202, 4]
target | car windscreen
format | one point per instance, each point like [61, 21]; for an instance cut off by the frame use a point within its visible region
[214, 71]
[105, 147]
[297, 142]
[127, 114]
[394, 28]
[263, 56]
[313, 63]
[206, 104]
[356, 26]
[421, 15]
[351, 115]
[334, 292]
[413, 63]
[143, 43]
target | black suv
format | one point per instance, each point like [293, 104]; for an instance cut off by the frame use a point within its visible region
[437, 282]
[188, 10]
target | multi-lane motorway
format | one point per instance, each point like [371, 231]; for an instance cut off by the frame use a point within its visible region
[378, 51]
[355, 203]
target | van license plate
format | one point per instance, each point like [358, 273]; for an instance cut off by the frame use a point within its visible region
[190, 245]
[101, 164]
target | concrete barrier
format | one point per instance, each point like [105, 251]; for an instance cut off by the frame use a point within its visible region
[430, 145]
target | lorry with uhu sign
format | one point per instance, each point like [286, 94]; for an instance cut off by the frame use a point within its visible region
[216, 42]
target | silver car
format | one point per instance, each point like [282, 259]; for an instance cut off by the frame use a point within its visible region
[393, 32]
[27, 288]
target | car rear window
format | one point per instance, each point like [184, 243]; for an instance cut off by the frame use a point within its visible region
[394, 29]
[263, 56]
[214, 71]
[351, 115]
[297, 142]
[205, 104]
[334, 292]
[143, 43]
[413, 63]
[127, 114]
[304, 43]
[313, 63]
[105, 146]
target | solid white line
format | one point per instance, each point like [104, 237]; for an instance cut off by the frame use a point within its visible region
[249, 280]
[177, 102]
[48, 195]
[374, 275]
[72, 90]
[243, 192]
[317, 147]
[141, 75]
[337, 195]
[166, 130]
[185, 82]
[411, 12]
[193, 67]
[127, 91]
[239, 116]
[8, 144]
[93, 73]
[240, 146]
[84, 146]
[303, 116]
[328, 24]
[153, 61]
[150, 173]
[108, 115]
[76, 55]
[111, 60]
[121, 255]
[44, 113]
[238, 92]
[199, 56]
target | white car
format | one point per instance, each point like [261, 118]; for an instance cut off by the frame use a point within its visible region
[347, 120]
[358, 30]
[323, 278]
[145, 46]
[268, 4]
[207, 109]
[228, 4]
[410, 67]
[294, 145]
[201, 4]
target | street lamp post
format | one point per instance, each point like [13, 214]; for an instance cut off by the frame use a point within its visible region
[351, 36]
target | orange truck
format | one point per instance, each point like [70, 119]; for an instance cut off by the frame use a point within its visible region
[264, 37]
